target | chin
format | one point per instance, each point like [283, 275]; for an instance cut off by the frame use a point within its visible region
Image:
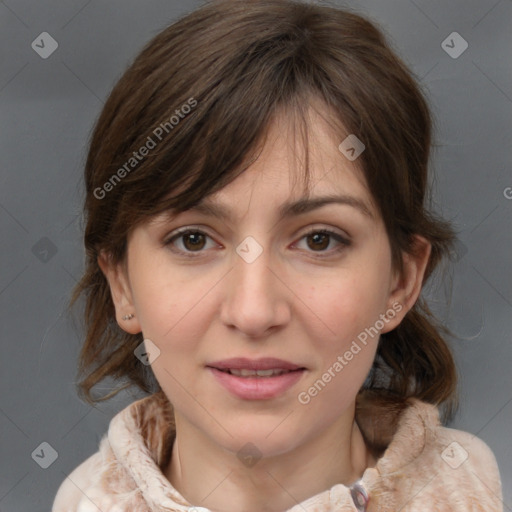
[265, 437]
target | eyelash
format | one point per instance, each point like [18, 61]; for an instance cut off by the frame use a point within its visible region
[320, 254]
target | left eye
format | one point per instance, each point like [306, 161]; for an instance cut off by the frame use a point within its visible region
[321, 239]
[194, 241]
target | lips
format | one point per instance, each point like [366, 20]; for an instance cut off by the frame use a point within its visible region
[256, 379]
[262, 364]
[256, 373]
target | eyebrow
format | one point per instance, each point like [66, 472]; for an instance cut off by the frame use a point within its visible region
[290, 208]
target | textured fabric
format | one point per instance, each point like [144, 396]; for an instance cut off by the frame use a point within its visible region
[425, 467]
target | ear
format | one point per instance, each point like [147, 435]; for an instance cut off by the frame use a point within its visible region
[406, 288]
[120, 290]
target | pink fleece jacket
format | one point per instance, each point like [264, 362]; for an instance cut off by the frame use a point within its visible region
[425, 467]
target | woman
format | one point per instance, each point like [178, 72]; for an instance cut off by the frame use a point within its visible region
[277, 328]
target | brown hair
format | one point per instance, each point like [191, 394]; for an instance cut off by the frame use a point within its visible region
[204, 90]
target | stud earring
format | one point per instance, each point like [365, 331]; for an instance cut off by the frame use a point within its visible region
[128, 317]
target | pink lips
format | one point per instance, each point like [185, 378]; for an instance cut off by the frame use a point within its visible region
[265, 363]
[257, 387]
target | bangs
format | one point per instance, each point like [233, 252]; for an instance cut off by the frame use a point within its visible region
[207, 155]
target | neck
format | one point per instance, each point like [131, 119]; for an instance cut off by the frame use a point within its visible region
[209, 476]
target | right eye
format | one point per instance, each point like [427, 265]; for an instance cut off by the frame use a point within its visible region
[190, 240]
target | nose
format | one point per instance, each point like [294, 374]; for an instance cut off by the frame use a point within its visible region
[256, 298]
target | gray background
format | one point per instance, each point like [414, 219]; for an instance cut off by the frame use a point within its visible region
[48, 107]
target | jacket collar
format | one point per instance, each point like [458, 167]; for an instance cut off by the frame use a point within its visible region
[141, 438]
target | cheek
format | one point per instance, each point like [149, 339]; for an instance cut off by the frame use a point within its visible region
[172, 305]
[155, 298]
[350, 307]
[349, 303]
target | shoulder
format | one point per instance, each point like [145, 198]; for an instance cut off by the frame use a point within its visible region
[465, 451]
[73, 489]
[110, 475]
[428, 466]
[459, 467]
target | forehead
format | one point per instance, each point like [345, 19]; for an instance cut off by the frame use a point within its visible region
[291, 151]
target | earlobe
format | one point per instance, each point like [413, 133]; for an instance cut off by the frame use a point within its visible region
[407, 287]
[120, 291]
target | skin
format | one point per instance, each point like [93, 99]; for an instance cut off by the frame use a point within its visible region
[289, 303]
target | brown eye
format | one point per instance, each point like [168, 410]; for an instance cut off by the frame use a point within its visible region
[188, 241]
[318, 240]
[193, 241]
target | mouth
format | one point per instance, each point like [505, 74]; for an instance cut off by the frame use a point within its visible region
[256, 379]
[263, 367]
[274, 372]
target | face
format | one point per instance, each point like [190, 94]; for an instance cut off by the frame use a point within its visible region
[312, 288]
